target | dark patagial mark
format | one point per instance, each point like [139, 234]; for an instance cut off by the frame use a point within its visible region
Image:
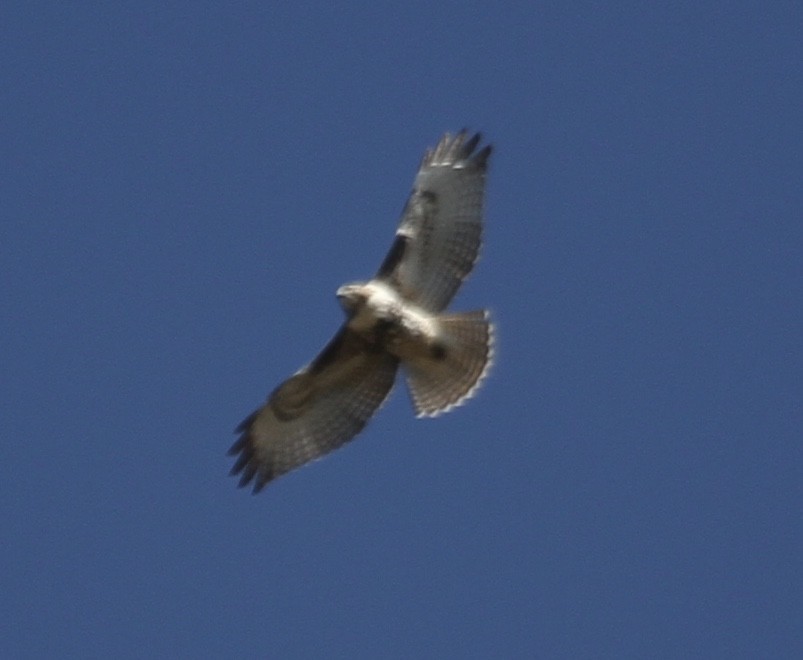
[331, 352]
[393, 257]
[429, 196]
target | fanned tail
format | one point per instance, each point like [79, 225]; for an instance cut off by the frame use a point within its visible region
[454, 370]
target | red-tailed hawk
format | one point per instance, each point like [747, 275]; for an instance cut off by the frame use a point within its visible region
[396, 319]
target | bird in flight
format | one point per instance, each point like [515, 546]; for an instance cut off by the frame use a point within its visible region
[395, 320]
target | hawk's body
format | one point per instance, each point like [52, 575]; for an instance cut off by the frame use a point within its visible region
[394, 319]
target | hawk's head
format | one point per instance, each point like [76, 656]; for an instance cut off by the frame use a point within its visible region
[352, 297]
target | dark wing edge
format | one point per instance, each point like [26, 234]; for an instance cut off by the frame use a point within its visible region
[370, 373]
[458, 150]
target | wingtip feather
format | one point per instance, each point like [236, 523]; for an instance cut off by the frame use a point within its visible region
[458, 150]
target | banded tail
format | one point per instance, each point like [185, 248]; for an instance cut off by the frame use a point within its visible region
[454, 370]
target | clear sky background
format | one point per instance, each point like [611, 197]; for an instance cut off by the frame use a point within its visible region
[184, 186]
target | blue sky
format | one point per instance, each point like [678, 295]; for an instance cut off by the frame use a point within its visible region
[184, 186]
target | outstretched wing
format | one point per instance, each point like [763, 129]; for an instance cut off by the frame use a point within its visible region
[315, 411]
[440, 232]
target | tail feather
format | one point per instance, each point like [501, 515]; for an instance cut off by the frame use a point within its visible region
[454, 370]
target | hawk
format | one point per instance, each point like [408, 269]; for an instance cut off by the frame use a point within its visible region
[395, 320]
